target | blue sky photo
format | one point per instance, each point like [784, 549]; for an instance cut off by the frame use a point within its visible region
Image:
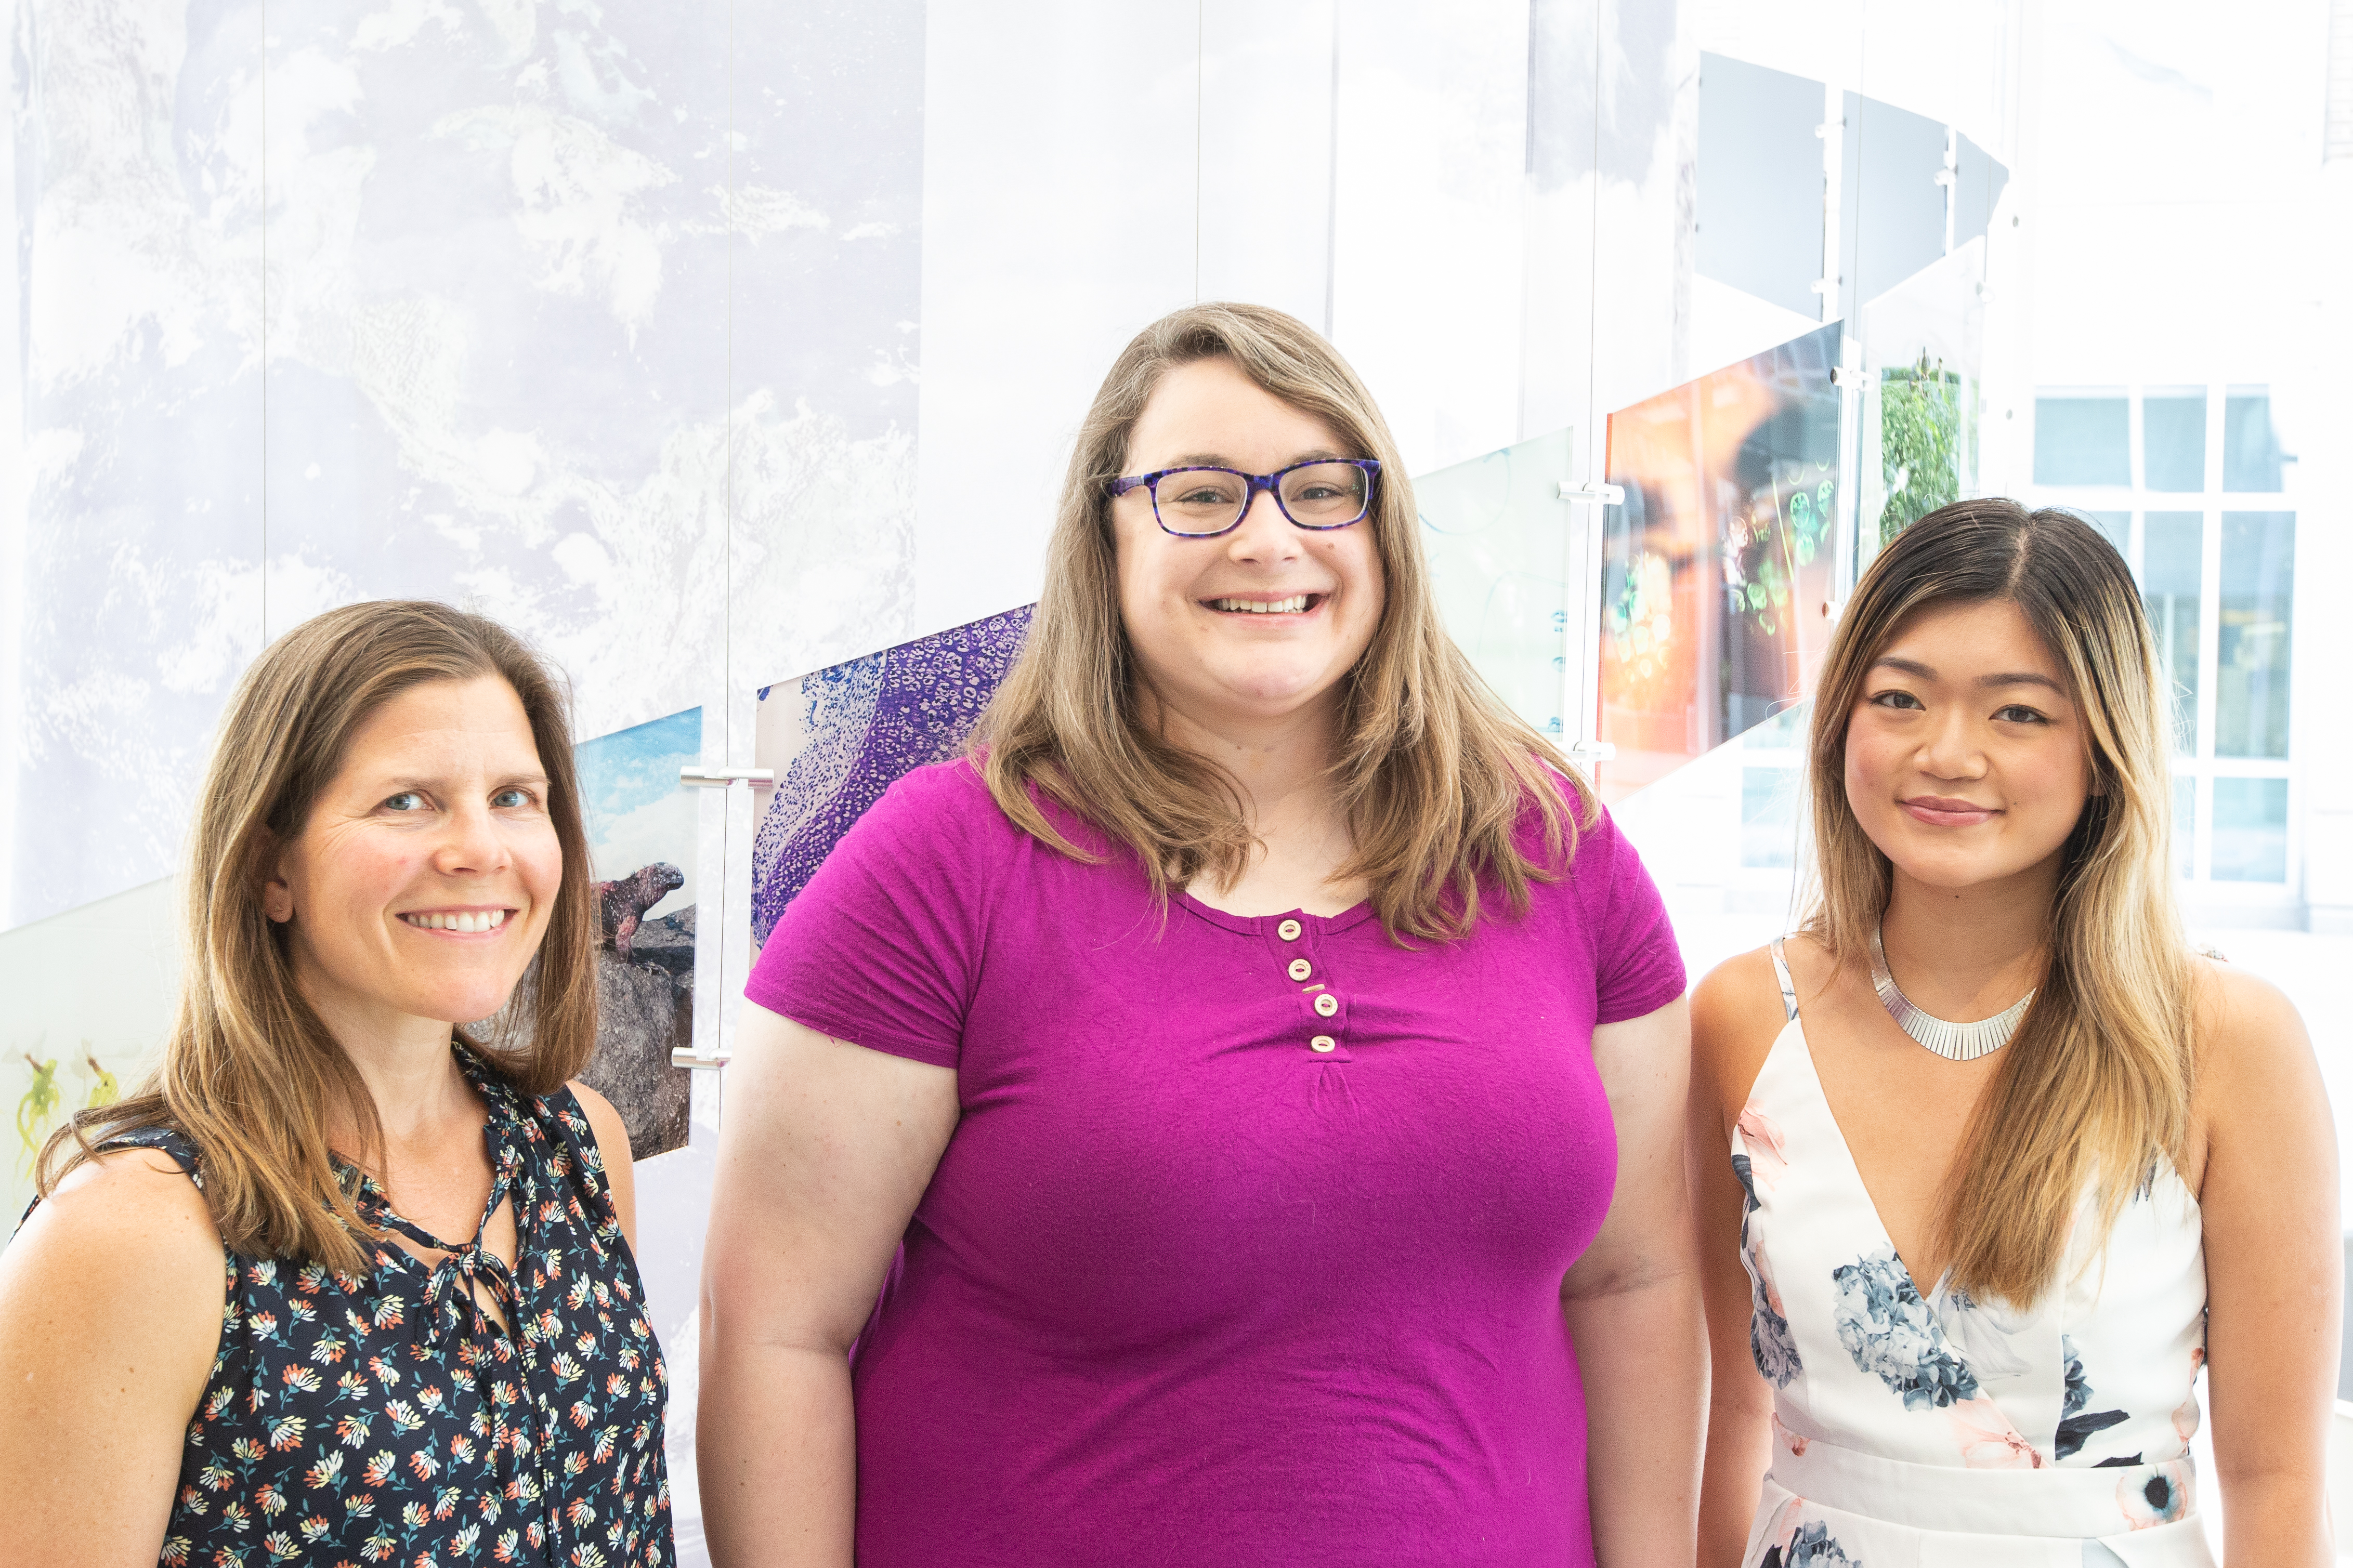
[637, 812]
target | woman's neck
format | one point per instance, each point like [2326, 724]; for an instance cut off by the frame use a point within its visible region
[406, 1066]
[1965, 954]
[1281, 764]
[1282, 767]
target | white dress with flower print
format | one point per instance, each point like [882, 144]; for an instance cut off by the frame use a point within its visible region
[1914, 1431]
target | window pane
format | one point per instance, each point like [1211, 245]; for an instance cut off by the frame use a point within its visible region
[2185, 827]
[2251, 830]
[2117, 525]
[2080, 441]
[2171, 562]
[2173, 441]
[1768, 815]
[2251, 452]
[2251, 671]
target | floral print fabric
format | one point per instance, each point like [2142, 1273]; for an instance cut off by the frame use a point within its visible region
[1892, 1334]
[1893, 1406]
[2075, 1424]
[381, 1419]
[1809, 1545]
[1769, 1341]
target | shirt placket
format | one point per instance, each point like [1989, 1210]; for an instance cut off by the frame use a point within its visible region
[1301, 960]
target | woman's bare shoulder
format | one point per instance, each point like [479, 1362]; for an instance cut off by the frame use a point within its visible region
[128, 1210]
[1737, 1014]
[2246, 1026]
[1741, 997]
[112, 1313]
[122, 1255]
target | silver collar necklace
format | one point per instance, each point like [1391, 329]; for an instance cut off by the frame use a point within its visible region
[1954, 1042]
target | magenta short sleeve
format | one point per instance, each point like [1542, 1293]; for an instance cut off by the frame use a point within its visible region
[882, 946]
[1638, 966]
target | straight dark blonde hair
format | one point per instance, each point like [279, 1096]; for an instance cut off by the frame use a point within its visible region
[1434, 774]
[2096, 1084]
[249, 1074]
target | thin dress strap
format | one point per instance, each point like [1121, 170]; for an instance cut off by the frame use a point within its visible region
[1788, 986]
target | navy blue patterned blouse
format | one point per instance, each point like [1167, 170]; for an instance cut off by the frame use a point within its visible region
[386, 1419]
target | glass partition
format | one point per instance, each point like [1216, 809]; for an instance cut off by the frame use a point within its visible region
[1716, 571]
[1495, 533]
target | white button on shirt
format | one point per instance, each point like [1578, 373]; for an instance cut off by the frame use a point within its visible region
[1327, 1004]
[1288, 931]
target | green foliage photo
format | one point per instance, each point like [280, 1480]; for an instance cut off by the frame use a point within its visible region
[1920, 434]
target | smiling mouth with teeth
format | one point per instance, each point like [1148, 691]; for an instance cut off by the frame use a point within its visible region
[1294, 605]
[459, 921]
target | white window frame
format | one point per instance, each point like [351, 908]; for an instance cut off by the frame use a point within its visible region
[2202, 766]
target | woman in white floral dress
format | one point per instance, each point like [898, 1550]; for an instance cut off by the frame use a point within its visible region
[1962, 1275]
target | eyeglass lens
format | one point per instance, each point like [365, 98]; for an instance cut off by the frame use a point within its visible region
[1210, 501]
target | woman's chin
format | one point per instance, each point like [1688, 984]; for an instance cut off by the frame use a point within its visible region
[1956, 873]
[462, 1006]
[1263, 692]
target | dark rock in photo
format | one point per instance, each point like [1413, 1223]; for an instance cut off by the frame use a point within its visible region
[646, 1006]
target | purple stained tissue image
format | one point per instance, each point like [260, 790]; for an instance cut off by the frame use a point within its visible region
[839, 738]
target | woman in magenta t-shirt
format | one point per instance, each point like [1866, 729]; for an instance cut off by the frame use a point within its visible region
[1273, 1067]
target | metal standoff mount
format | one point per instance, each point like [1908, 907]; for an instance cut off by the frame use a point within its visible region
[686, 1056]
[1603, 495]
[720, 778]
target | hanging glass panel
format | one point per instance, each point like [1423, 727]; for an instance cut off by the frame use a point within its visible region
[1715, 575]
[1495, 535]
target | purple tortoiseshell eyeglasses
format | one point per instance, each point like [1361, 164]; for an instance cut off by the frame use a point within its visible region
[1203, 502]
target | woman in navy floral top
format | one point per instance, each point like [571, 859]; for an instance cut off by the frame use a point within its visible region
[348, 1283]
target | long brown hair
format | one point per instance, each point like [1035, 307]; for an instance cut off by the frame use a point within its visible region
[2095, 1084]
[249, 1074]
[1433, 772]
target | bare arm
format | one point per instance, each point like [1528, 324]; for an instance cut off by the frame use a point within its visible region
[613, 1148]
[110, 1300]
[825, 1149]
[2274, 1272]
[1633, 1310]
[1728, 1046]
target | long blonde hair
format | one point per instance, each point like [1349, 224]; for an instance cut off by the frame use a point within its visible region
[249, 1074]
[1433, 772]
[2095, 1084]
